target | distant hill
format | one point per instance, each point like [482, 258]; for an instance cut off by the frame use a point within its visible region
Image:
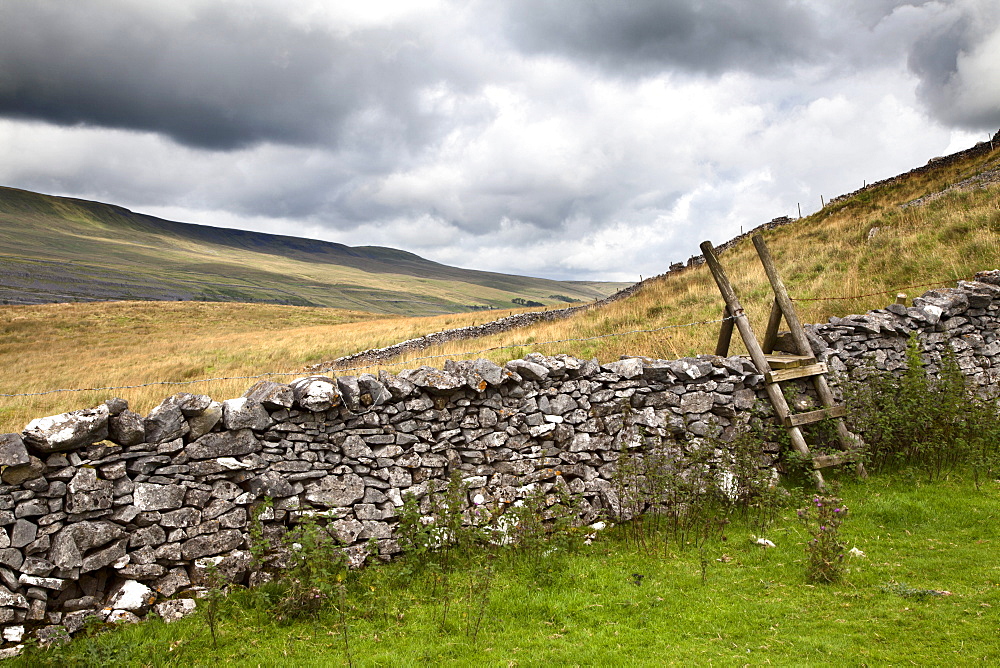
[58, 249]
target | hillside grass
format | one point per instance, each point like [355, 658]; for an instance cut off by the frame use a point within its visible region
[107, 344]
[60, 249]
[827, 256]
[582, 606]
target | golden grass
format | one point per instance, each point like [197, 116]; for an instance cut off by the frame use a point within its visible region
[107, 344]
[828, 255]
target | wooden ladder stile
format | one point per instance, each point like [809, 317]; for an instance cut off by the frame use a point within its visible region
[742, 324]
[779, 368]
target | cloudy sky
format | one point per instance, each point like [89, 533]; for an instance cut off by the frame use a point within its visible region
[571, 139]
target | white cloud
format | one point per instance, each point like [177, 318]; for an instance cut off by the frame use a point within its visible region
[445, 129]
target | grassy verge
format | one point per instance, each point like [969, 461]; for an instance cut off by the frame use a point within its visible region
[589, 606]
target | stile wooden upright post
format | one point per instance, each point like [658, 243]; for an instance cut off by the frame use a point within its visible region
[725, 335]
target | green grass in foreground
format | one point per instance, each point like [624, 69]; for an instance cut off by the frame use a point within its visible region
[585, 608]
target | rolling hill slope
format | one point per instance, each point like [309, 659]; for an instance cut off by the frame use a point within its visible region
[61, 249]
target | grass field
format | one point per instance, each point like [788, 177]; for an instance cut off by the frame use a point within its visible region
[753, 606]
[831, 256]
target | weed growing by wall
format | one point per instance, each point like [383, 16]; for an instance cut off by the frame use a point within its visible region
[932, 423]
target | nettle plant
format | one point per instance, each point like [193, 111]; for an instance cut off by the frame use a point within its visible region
[928, 422]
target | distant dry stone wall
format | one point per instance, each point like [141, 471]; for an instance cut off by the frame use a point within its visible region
[376, 355]
[104, 511]
[982, 148]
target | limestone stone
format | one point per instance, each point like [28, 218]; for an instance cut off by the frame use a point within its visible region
[399, 388]
[149, 496]
[171, 611]
[529, 370]
[132, 596]
[67, 431]
[205, 421]
[244, 413]
[18, 475]
[272, 395]
[271, 484]
[12, 450]
[217, 543]
[223, 444]
[373, 393]
[104, 557]
[127, 428]
[336, 491]
[165, 423]
[697, 402]
[433, 380]
[175, 580]
[315, 393]
[626, 368]
[350, 392]
[87, 492]
[23, 533]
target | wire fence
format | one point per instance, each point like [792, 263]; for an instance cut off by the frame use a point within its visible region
[874, 294]
[374, 365]
[424, 358]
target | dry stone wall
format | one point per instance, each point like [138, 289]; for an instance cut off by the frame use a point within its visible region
[104, 511]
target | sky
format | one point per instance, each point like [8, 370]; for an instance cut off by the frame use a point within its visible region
[570, 139]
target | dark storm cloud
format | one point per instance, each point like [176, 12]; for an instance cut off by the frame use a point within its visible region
[640, 36]
[958, 63]
[214, 76]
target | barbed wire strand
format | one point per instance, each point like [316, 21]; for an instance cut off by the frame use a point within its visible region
[367, 366]
[871, 294]
[277, 374]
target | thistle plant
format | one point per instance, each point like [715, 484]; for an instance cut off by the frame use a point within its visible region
[824, 516]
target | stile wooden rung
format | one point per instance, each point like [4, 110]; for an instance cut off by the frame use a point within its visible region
[836, 459]
[798, 419]
[782, 375]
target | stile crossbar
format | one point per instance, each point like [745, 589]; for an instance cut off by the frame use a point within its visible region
[779, 368]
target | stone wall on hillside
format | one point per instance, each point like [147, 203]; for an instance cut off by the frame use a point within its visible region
[104, 511]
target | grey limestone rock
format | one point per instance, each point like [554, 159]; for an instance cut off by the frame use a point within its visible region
[18, 475]
[116, 406]
[431, 379]
[697, 402]
[223, 444]
[529, 370]
[12, 450]
[23, 533]
[399, 388]
[204, 422]
[67, 431]
[626, 368]
[171, 611]
[132, 596]
[165, 423]
[336, 491]
[190, 404]
[87, 492]
[211, 544]
[127, 428]
[271, 395]
[272, 484]
[104, 556]
[373, 393]
[315, 393]
[149, 496]
[350, 392]
[244, 413]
